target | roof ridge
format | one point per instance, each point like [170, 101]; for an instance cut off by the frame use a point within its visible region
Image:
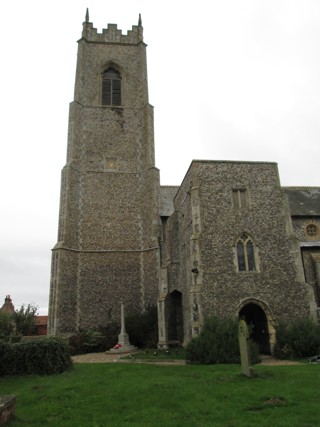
[300, 186]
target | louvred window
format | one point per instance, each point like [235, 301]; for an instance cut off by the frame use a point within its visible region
[111, 87]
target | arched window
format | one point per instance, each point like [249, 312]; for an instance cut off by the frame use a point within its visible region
[111, 87]
[245, 253]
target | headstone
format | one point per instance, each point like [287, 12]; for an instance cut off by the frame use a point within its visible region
[7, 408]
[243, 335]
[123, 345]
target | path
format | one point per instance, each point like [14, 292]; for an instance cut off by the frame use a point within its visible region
[116, 358]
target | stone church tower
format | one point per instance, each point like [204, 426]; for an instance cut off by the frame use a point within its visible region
[229, 241]
[107, 249]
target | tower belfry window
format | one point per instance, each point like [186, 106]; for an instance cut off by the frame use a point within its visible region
[111, 87]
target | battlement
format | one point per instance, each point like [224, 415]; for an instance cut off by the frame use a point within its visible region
[111, 34]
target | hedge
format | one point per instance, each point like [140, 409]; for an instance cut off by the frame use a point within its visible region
[42, 356]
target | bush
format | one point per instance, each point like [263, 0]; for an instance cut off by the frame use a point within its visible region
[218, 343]
[42, 356]
[24, 319]
[94, 341]
[7, 325]
[85, 342]
[142, 328]
[20, 322]
[300, 338]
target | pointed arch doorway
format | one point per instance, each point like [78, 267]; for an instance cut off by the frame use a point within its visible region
[257, 322]
[175, 318]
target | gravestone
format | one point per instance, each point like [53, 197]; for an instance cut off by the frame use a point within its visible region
[243, 335]
[123, 345]
[7, 408]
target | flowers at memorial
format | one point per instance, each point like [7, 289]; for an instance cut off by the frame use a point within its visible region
[117, 346]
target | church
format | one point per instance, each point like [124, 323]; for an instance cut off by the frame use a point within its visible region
[228, 241]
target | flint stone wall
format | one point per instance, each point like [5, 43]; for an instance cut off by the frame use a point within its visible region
[266, 219]
[107, 249]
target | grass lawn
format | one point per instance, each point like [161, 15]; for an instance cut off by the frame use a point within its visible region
[148, 395]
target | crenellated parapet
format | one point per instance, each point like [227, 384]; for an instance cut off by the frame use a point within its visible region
[112, 34]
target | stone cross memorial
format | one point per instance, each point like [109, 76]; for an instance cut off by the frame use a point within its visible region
[243, 335]
[123, 338]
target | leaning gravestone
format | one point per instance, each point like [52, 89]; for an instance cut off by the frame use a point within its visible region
[7, 408]
[243, 335]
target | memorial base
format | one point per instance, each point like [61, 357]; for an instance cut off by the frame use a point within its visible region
[123, 345]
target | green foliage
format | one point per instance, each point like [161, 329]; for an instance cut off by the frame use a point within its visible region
[20, 322]
[218, 343]
[94, 341]
[300, 338]
[40, 356]
[142, 328]
[24, 319]
[7, 325]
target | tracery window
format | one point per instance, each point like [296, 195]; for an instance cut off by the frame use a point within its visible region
[111, 87]
[246, 253]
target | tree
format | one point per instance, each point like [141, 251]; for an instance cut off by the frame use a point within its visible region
[24, 319]
[7, 325]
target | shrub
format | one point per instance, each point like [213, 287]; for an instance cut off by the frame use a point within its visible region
[142, 328]
[6, 358]
[110, 335]
[7, 325]
[300, 338]
[20, 322]
[41, 356]
[24, 319]
[85, 342]
[94, 340]
[218, 343]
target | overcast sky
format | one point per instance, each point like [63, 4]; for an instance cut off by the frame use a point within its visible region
[229, 80]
